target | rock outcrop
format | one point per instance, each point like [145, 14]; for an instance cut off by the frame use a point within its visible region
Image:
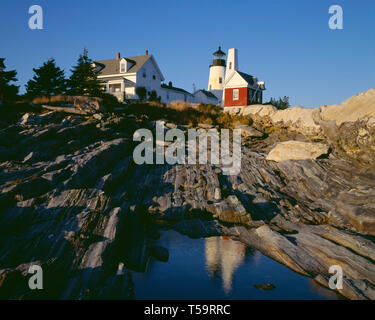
[308, 121]
[248, 131]
[297, 150]
[297, 118]
[361, 106]
[73, 201]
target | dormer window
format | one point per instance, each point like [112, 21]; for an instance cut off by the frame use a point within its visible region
[123, 68]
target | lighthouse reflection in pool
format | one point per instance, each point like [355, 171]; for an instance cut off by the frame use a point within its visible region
[219, 268]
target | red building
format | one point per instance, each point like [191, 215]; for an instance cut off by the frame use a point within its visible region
[242, 89]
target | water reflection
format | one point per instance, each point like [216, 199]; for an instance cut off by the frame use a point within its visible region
[223, 257]
[207, 268]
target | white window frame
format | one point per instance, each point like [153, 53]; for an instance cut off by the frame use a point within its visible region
[123, 67]
[235, 94]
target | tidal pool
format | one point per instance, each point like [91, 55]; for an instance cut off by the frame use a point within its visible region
[220, 268]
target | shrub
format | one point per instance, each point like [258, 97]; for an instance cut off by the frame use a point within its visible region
[109, 100]
[153, 96]
[209, 108]
[227, 120]
[185, 113]
[180, 106]
[58, 99]
[206, 120]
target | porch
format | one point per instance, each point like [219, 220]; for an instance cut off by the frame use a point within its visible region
[122, 89]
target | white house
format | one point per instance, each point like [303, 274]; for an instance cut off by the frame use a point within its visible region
[121, 76]
[203, 96]
[169, 93]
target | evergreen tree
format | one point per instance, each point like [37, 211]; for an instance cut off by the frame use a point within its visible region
[153, 96]
[49, 80]
[141, 93]
[281, 103]
[284, 103]
[7, 91]
[84, 79]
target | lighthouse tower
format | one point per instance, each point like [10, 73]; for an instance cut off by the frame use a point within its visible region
[217, 74]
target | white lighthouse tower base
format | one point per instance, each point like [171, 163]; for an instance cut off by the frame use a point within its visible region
[217, 75]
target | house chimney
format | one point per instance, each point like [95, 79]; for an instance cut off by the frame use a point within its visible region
[118, 55]
[170, 84]
[146, 52]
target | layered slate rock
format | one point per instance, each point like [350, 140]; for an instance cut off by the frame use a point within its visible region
[73, 201]
[249, 132]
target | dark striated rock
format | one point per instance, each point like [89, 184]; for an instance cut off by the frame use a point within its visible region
[73, 201]
[249, 132]
[355, 209]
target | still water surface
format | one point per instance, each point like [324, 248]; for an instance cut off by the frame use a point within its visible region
[219, 268]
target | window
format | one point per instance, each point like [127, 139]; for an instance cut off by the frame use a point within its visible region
[235, 94]
[153, 77]
[230, 65]
[220, 80]
[122, 67]
[144, 74]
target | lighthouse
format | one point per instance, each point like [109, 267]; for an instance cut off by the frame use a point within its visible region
[217, 74]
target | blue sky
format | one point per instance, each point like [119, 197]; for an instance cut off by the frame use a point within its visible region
[286, 43]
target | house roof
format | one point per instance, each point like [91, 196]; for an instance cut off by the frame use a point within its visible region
[248, 78]
[165, 86]
[207, 93]
[112, 66]
[237, 78]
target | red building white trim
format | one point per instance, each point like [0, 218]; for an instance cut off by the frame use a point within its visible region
[242, 89]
